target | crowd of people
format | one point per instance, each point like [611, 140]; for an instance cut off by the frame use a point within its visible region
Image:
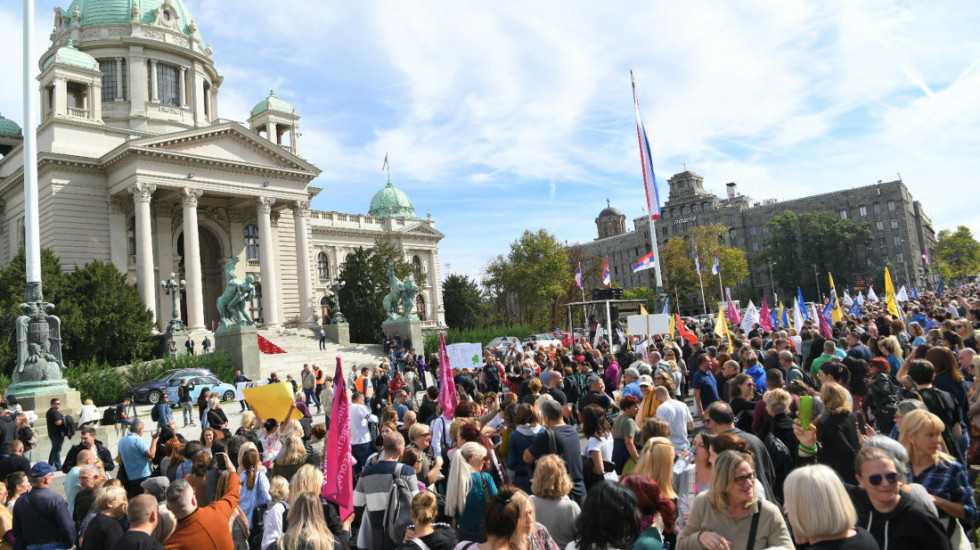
[863, 440]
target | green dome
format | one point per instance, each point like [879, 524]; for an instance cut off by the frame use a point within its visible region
[273, 103]
[8, 127]
[72, 56]
[392, 202]
[117, 12]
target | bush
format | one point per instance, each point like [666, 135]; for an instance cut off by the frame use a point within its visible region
[475, 335]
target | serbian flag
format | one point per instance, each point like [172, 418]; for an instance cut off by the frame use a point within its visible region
[578, 276]
[925, 257]
[765, 319]
[447, 386]
[646, 161]
[646, 262]
[683, 330]
[716, 268]
[338, 462]
[606, 279]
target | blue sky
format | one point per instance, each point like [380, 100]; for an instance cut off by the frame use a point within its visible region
[504, 116]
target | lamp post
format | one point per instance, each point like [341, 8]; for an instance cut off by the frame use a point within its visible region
[816, 277]
[338, 317]
[173, 288]
[772, 283]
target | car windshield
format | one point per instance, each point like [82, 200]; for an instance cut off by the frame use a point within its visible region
[163, 376]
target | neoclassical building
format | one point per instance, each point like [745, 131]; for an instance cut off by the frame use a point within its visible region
[137, 168]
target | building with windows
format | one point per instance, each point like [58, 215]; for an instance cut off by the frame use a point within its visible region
[901, 231]
[137, 169]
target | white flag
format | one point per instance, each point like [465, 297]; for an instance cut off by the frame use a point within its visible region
[598, 336]
[871, 294]
[860, 298]
[847, 300]
[797, 316]
[750, 318]
[902, 295]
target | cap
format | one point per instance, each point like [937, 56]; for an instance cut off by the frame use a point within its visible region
[156, 486]
[41, 469]
[645, 380]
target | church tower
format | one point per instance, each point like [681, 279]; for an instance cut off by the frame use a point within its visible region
[611, 222]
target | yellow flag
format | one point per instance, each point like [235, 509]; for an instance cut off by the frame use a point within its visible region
[643, 310]
[836, 314]
[672, 327]
[721, 328]
[890, 294]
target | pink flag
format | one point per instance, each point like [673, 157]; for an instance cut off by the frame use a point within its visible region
[765, 318]
[733, 315]
[447, 386]
[338, 462]
[824, 327]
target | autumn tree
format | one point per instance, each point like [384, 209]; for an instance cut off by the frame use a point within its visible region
[958, 253]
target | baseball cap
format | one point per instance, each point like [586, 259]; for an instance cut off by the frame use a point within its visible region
[645, 380]
[41, 469]
[156, 486]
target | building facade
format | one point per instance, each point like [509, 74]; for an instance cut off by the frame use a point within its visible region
[901, 231]
[137, 169]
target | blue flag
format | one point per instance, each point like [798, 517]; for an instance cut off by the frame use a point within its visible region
[775, 321]
[915, 294]
[666, 306]
[942, 288]
[828, 311]
[855, 309]
[803, 309]
[785, 321]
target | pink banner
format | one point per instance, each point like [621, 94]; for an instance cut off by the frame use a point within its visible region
[765, 317]
[733, 316]
[447, 386]
[338, 462]
[824, 327]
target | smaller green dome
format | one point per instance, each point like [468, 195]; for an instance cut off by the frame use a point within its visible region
[392, 202]
[9, 127]
[273, 103]
[72, 56]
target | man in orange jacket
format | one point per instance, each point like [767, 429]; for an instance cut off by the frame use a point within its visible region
[203, 528]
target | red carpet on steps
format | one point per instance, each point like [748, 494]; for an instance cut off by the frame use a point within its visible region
[267, 347]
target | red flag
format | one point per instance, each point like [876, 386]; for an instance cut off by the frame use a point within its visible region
[447, 386]
[338, 462]
[683, 331]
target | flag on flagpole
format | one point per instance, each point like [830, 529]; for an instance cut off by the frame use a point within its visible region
[835, 312]
[384, 165]
[646, 160]
[666, 306]
[783, 315]
[860, 298]
[697, 260]
[799, 298]
[750, 318]
[848, 300]
[721, 327]
[797, 316]
[646, 262]
[765, 317]
[733, 316]
[686, 334]
[447, 386]
[671, 327]
[926, 258]
[915, 293]
[825, 327]
[828, 311]
[606, 279]
[855, 310]
[643, 310]
[578, 275]
[774, 319]
[871, 294]
[902, 295]
[716, 268]
[338, 462]
[890, 294]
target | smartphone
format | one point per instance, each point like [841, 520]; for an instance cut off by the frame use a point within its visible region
[862, 426]
[805, 412]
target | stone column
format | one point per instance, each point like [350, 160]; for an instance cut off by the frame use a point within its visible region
[192, 261]
[267, 264]
[294, 136]
[301, 213]
[153, 81]
[273, 132]
[183, 87]
[119, 79]
[145, 281]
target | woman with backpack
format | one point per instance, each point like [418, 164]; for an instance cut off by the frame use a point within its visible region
[275, 513]
[468, 491]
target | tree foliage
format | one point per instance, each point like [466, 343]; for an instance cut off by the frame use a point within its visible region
[818, 242]
[462, 301]
[366, 284]
[677, 261]
[525, 287]
[958, 253]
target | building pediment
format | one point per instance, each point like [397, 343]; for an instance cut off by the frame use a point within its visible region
[420, 230]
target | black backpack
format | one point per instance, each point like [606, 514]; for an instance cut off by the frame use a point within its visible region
[258, 525]
[491, 375]
[808, 378]
[782, 459]
[883, 400]
[110, 417]
[571, 388]
[398, 512]
[155, 413]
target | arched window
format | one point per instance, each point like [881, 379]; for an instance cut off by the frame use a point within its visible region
[131, 236]
[251, 242]
[420, 307]
[323, 266]
[417, 263]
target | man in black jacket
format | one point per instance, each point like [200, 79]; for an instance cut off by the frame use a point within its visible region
[89, 442]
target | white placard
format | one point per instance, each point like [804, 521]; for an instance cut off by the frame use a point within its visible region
[465, 356]
[648, 324]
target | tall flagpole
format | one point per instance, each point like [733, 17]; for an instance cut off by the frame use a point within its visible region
[697, 263]
[645, 158]
[721, 287]
[32, 234]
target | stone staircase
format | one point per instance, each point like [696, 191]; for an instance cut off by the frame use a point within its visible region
[302, 346]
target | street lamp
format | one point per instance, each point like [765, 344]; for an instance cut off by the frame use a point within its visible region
[173, 288]
[338, 317]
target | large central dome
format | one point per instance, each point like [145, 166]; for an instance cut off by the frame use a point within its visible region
[117, 12]
[392, 202]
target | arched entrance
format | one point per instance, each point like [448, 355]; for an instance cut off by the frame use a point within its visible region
[211, 283]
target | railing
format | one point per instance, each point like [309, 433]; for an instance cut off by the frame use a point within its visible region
[78, 112]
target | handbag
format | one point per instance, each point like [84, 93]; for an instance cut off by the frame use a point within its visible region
[591, 478]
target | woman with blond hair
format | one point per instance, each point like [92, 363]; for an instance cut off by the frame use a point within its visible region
[434, 536]
[723, 517]
[838, 431]
[308, 479]
[104, 530]
[657, 463]
[892, 350]
[292, 457]
[468, 491]
[249, 429]
[510, 522]
[821, 512]
[307, 529]
[554, 509]
[933, 468]
[275, 512]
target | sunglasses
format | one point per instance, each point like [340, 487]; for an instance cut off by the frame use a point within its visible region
[742, 480]
[876, 479]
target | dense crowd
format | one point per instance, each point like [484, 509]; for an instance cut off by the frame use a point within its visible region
[863, 440]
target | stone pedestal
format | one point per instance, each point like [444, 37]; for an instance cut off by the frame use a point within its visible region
[179, 337]
[406, 329]
[39, 399]
[242, 346]
[338, 332]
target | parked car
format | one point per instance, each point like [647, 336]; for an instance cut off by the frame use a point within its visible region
[539, 341]
[198, 383]
[500, 344]
[151, 391]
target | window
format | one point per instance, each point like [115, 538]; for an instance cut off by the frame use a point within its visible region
[891, 206]
[894, 224]
[900, 257]
[417, 264]
[877, 209]
[843, 214]
[420, 307]
[897, 239]
[324, 309]
[695, 209]
[683, 211]
[752, 231]
[131, 235]
[880, 225]
[168, 86]
[207, 100]
[323, 266]
[765, 229]
[882, 243]
[255, 306]
[110, 78]
[755, 246]
[705, 207]
[864, 210]
[251, 242]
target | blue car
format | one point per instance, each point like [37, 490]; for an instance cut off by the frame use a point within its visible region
[198, 383]
[151, 391]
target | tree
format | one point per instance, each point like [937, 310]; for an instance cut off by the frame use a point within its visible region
[530, 281]
[366, 284]
[958, 253]
[642, 293]
[679, 276]
[734, 269]
[462, 300]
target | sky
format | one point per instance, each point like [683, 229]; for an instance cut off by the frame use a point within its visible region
[505, 116]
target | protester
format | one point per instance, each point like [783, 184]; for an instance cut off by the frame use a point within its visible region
[565, 443]
[42, 519]
[202, 528]
[468, 491]
[143, 515]
[695, 478]
[610, 518]
[656, 462]
[105, 530]
[821, 513]
[838, 431]
[521, 439]
[598, 447]
[654, 508]
[307, 528]
[552, 506]
[434, 536]
[625, 435]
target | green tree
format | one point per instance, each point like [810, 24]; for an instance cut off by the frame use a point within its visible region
[734, 269]
[958, 253]
[529, 282]
[462, 300]
[366, 284]
[679, 276]
[643, 293]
